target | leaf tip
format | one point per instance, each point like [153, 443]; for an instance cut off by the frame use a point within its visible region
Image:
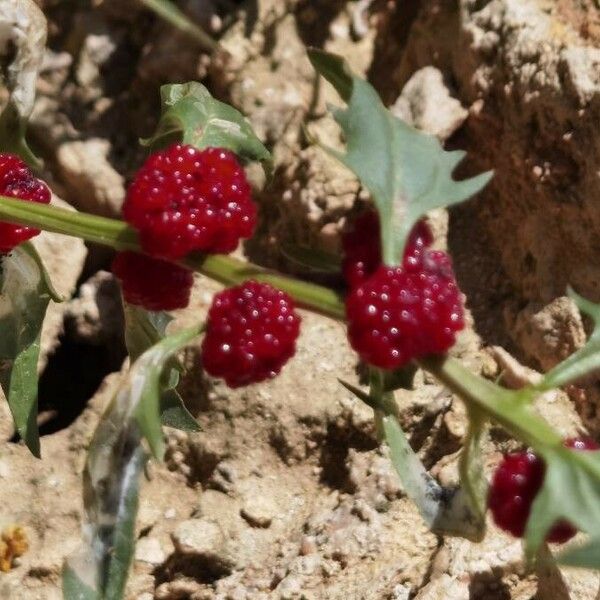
[335, 69]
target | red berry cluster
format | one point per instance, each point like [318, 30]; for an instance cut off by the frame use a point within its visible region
[516, 482]
[251, 333]
[184, 200]
[17, 181]
[152, 283]
[397, 314]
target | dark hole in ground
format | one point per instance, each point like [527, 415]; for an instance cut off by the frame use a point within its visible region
[73, 374]
[203, 569]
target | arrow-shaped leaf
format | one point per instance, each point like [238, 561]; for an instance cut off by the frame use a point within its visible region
[407, 172]
[25, 292]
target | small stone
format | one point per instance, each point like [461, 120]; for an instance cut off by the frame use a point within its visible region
[308, 545]
[204, 539]
[259, 511]
[149, 550]
[426, 103]
[290, 587]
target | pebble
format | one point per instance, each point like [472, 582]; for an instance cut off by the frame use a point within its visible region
[149, 550]
[202, 538]
[259, 511]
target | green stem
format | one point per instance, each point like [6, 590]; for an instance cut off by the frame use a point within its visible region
[118, 235]
[512, 409]
[170, 13]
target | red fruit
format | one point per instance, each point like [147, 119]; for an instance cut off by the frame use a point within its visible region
[251, 333]
[151, 283]
[362, 247]
[184, 199]
[407, 312]
[515, 485]
[17, 181]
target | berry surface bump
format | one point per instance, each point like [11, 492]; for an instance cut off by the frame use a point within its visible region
[152, 283]
[251, 332]
[184, 199]
[17, 181]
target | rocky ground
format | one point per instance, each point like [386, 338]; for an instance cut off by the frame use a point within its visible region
[284, 493]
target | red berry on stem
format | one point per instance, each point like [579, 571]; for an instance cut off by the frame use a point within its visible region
[403, 313]
[516, 482]
[362, 246]
[251, 332]
[17, 181]
[151, 283]
[184, 199]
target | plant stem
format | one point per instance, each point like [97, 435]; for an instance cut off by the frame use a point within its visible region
[118, 235]
[170, 13]
[509, 408]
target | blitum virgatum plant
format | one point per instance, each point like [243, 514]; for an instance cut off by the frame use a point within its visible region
[407, 174]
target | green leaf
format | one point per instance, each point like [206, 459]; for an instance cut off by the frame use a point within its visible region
[420, 486]
[173, 412]
[190, 115]
[366, 398]
[144, 329]
[571, 491]
[312, 259]
[13, 128]
[74, 588]
[444, 511]
[472, 477]
[586, 556]
[111, 477]
[170, 13]
[145, 380]
[407, 172]
[25, 292]
[447, 512]
[584, 361]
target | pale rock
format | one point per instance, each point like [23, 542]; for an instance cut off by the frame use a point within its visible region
[90, 178]
[150, 551]
[204, 539]
[64, 257]
[426, 103]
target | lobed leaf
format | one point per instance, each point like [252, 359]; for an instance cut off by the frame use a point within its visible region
[190, 115]
[111, 477]
[25, 292]
[407, 171]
